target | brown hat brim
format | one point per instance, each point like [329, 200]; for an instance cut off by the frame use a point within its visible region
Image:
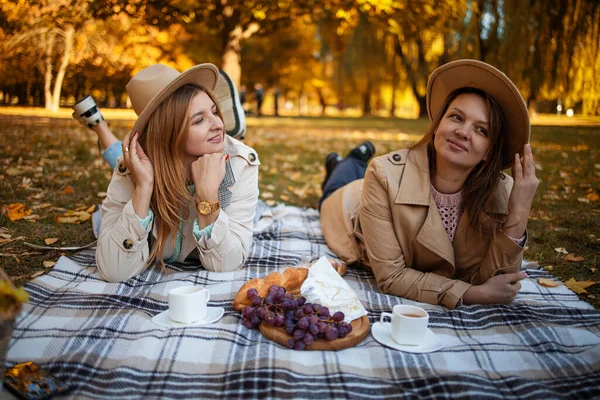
[477, 74]
[205, 75]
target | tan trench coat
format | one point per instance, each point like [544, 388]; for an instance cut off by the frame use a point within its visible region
[390, 222]
[123, 247]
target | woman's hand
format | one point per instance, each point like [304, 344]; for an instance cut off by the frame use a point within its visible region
[499, 289]
[521, 196]
[142, 172]
[137, 161]
[208, 172]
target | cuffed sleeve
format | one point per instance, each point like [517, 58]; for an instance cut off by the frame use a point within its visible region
[504, 256]
[199, 233]
[111, 154]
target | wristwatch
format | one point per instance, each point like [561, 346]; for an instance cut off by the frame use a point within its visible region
[206, 207]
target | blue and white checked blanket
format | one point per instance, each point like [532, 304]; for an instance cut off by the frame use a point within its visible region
[98, 337]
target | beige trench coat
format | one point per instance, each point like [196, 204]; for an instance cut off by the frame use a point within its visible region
[390, 223]
[123, 247]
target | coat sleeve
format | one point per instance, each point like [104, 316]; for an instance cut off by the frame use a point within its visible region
[385, 255]
[122, 250]
[231, 238]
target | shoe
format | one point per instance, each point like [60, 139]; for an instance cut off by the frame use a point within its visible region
[331, 161]
[363, 152]
[228, 99]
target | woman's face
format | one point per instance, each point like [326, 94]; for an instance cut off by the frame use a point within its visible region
[205, 133]
[461, 140]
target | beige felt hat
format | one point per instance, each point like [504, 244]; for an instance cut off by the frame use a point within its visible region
[477, 74]
[152, 85]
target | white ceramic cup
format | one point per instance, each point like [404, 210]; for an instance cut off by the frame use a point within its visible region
[408, 324]
[188, 304]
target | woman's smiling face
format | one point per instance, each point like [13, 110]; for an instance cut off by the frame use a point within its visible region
[205, 132]
[461, 139]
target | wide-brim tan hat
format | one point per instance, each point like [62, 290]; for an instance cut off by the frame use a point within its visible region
[152, 85]
[477, 74]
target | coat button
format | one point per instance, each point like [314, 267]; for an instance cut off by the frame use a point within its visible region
[397, 157]
[128, 243]
[122, 168]
[252, 157]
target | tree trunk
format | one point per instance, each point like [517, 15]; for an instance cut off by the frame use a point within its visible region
[62, 69]
[49, 39]
[367, 99]
[395, 78]
[231, 58]
[411, 77]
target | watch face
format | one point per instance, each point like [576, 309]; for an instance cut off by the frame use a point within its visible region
[204, 208]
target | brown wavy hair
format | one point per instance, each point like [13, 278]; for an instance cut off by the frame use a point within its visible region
[480, 186]
[163, 140]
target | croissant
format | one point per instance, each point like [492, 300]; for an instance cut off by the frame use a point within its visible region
[291, 279]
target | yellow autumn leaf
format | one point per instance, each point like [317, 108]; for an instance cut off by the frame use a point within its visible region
[13, 171]
[72, 217]
[49, 264]
[548, 282]
[91, 209]
[579, 286]
[15, 211]
[592, 197]
[49, 241]
[572, 257]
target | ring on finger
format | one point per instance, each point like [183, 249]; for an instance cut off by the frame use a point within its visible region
[125, 149]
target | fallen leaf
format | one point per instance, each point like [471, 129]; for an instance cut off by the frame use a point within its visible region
[91, 209]
[32, 218]
[49, 264]
[72, 217]
[15, 211]
[548, 267]
[579, 286]
[561, 250]
[13, 171]
[5, 235]
[49, 241]
[572, 257]
[68, 190]
[101, 194]
[548, 282]
[592, 197]
[35, 275]
[583, 200]
[593, 269]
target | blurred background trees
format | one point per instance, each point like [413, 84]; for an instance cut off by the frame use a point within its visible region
[372, 57]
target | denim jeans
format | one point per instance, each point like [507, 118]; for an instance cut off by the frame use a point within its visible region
[349, 170]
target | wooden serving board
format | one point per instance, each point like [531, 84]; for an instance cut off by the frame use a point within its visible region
[360, 330]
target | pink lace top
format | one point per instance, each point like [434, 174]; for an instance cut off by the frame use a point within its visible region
[451, 208]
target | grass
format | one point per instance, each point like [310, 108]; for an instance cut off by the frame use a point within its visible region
[40, 156]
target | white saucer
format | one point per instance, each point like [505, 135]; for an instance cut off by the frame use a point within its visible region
[381, 333]
[213, 314]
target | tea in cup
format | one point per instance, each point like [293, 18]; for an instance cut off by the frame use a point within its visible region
[408, 324]
[188, 304]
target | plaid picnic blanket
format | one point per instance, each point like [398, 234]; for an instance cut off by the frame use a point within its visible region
[99, 338]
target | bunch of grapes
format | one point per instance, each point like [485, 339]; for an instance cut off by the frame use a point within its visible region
[304, 322]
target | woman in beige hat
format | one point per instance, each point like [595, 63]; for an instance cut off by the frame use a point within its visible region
[183, 189]
[440, 222]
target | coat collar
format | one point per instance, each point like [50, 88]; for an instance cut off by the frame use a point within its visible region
[415, 183]
[415, 186]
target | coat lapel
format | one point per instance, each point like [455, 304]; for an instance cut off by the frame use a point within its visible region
[415, 189]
